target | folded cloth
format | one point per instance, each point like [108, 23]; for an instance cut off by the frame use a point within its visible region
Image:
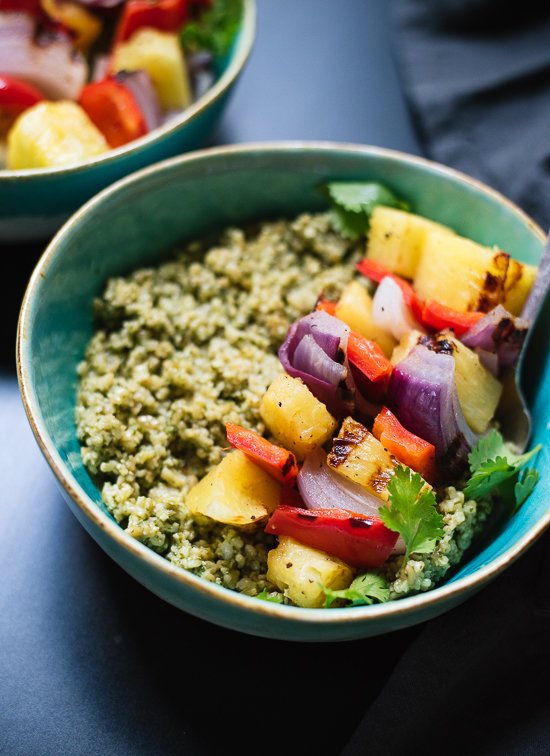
[475, 680]
[477, 77]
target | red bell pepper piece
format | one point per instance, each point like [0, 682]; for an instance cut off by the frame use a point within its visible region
[15, 97]
[327, 305]
[377, 271]
[370, 367]
[164, 15]
[278, 462]
[114, 110]
[356, 539]
[409, 449]
[440, 316]
[21, 6]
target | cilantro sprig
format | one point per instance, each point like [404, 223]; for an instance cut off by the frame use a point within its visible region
[352, 203]
[412, 512]
[496, 469]
[214, 29]
[365, 589]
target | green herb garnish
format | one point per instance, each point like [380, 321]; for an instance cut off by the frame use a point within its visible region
[275, 599]
[365, 589]
[412, 512]
[353, 202]
[494, 466]
[214, 29]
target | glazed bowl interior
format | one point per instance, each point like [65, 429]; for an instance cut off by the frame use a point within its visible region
[140, 221]
[34, 203]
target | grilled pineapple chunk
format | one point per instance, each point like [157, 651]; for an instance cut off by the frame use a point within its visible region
[396, 238]
[355, 308]
[478, 391]
[297, 570]
[51, 134]
[160, 54]
[297, 419]
[236, 492]
[520, 277]
[408, 341]
[460, 273]
[358, 455]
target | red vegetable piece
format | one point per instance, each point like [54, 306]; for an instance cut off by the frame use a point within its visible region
[327, 305]
[409, 449]
[290, 496]
[164, 15]
[21, 6]
[15, 97]
[440, 316]
[278, 462]
[370, 367]
[356, 539]
[377, 271]
[114, 110]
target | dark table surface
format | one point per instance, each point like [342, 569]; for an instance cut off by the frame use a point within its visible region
[90, 662]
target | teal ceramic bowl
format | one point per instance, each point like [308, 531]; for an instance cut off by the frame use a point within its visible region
[143, 217]
[34, 203]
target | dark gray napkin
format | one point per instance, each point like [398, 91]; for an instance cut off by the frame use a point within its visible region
[475, 680]
[477, 77]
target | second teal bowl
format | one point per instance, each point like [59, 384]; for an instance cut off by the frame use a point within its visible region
[35, 203]
[138, 222]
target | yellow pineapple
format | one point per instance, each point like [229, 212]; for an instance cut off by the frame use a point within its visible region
[355, 308]
[160, 54]
[51, 134]
[358, 455]
[297, 570]
[236, 492]
[408, 341]
[460, 273]
[520, 277]
[297, 419]
[396, 238]
[478, 391]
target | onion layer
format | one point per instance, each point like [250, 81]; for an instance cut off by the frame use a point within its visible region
[498, 333]
[390, 311]
[422, 394]
[47, 61]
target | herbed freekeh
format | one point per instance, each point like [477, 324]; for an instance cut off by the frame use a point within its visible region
[197, 358]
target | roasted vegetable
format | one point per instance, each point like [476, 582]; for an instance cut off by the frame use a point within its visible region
[359, 456]
[299, 571]
[53, 134]
[278, 462]
[236, 492]
[409, 449]
[355, 308]
[298, 420]
[396, 238]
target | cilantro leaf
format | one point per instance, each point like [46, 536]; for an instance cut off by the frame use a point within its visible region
[214, 29]
[493, 464]
[365, 589]
[352, 203]
[412, 512]
[264, 595]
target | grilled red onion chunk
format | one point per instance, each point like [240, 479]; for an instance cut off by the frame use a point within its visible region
[498, 333]
[140, 85]
[314, 350]
[48, 61]
[422, 393]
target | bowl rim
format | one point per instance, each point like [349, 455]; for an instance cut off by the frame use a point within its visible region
[239, 58]
[349, 616]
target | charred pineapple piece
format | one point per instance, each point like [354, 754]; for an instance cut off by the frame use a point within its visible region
[408, 342]
[520, 277]
[355, 308]
[297, 419]
[460, 273]
[297, 570]
[51, 134]
[478, 391]
[396, 238]
[236, 492]
[160, 54]
[358, 455]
